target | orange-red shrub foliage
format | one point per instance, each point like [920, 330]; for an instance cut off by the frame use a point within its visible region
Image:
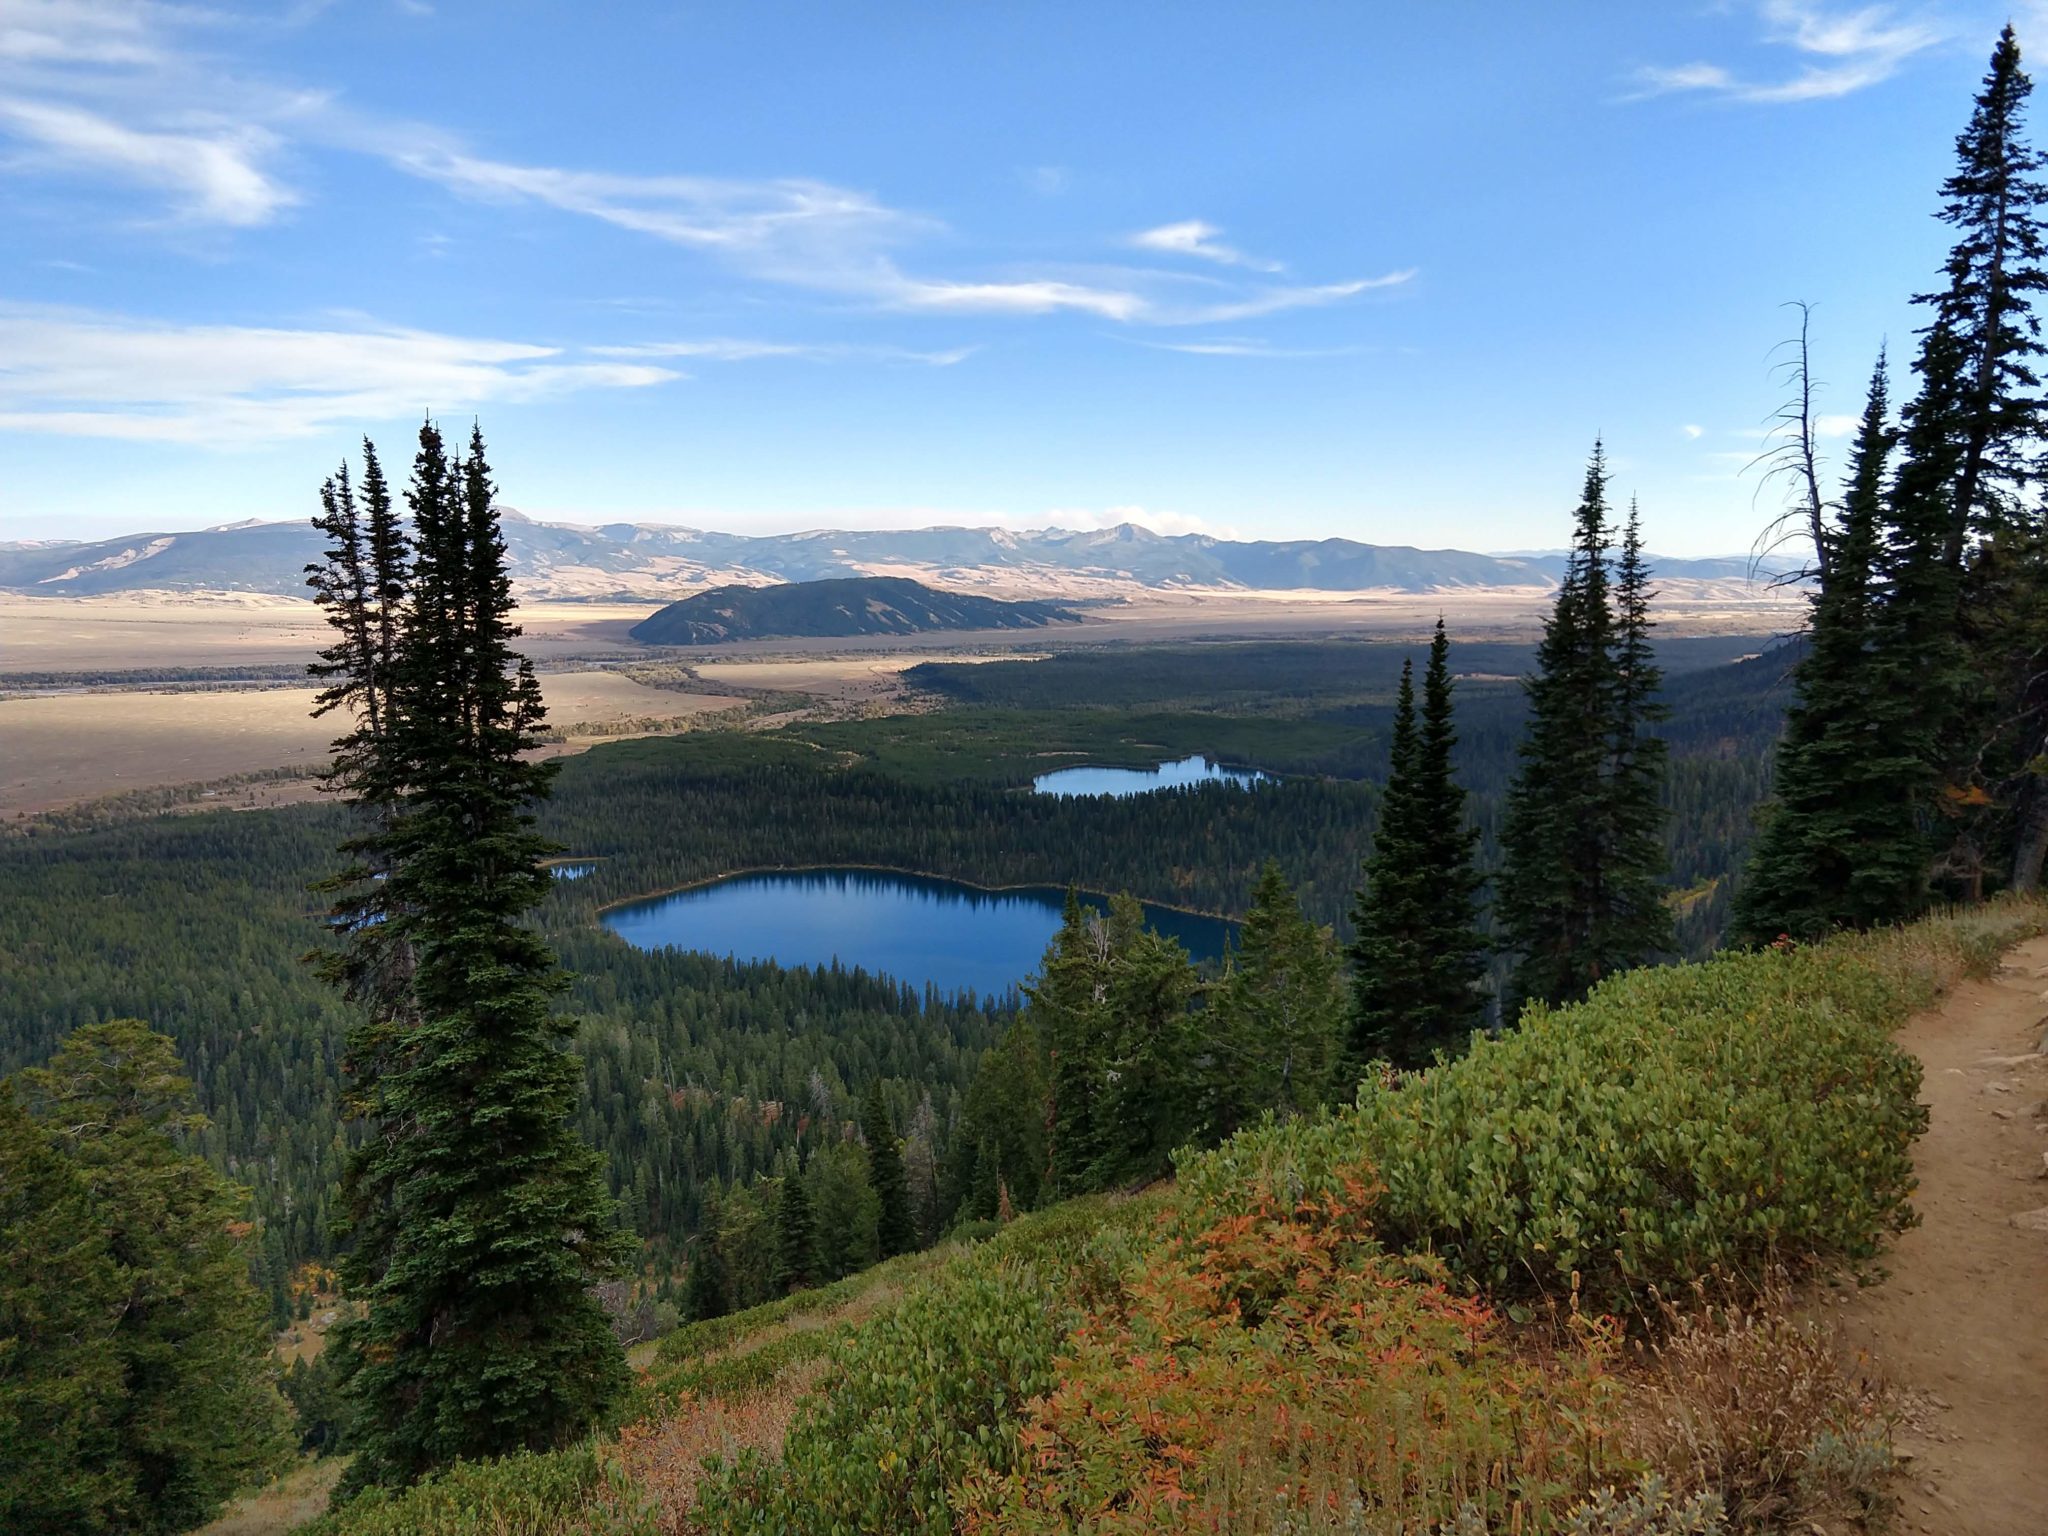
[1278, 1366]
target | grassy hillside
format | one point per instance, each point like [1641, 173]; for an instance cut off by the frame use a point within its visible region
[858, 605]
[1445, 1309]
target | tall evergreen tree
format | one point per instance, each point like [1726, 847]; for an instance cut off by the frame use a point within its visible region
[479, 1221]
[1453, 997]
[1638, 921]
[895, 1227]
[1275, 1023]
[1066, 1004]
[1388, 916]
[198, 1414]
[61, 1297]
[1839, 846]
[1963, 558]
[704, 1289]
[796, 1236]
[1418, 961]
[1150, 1049]
[1580, 846]
[847, 1211]
[1004, 1120]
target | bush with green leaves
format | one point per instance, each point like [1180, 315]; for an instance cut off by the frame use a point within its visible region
[922, 1397]
[917, 1400]
[1731, 1116]
[573, 1492]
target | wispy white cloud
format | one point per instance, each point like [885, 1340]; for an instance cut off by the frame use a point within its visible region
[1272, 301]
[120, 90]
[1844, 51]
[740, 350]
[836, 240]
[1245, 346]
[89, 374]
[216, 175]
[777, 221]
[1034, 297]
[1693, 431]
[1193, 237]
[113, 91]
[98, 32]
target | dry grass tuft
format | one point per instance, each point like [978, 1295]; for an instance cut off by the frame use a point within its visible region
[664, 1457]
[1753, 1405]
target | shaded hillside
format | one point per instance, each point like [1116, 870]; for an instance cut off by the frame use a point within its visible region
[860, 605]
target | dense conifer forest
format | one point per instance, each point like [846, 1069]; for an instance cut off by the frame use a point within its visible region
[700, 1073]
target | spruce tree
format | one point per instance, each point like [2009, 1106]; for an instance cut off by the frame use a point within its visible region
[1963, 560]
[1389, 913]
[1418, 961]
[846, 1209]
[704, 1288]
[61, 1298]
[479, 1222]
[1150, 1049]
[1839, 845]
[1453, 999]
[1275, 1023]
[796, 1236]
[1581, 839]
[198, 1416]
[1004, 1112]
[895, 1229]
[1066, 1008]
[1638, 921]
[344, 584]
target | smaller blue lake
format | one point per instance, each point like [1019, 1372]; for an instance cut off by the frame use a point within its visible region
[1090, 780]
[570, 871]
[913, 928]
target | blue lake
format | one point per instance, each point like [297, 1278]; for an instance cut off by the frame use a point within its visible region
[913, 928]
[1089, 780]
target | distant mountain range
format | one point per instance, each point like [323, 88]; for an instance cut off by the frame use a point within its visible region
[842, 605]
[638, 560]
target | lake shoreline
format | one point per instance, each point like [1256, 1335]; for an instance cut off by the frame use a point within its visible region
[598, 913]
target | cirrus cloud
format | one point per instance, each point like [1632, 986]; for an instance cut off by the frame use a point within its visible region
[1845, 51]
[80, 373]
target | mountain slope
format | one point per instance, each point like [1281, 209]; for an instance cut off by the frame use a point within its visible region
[557, 560]
[860, 605]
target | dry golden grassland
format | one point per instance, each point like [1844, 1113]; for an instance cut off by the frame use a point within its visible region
[224, 629]
[836, 677]
[59, 749]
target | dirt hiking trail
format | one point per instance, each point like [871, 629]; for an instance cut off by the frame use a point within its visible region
[1962, 1322]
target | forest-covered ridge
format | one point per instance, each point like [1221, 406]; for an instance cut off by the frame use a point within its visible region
[836, 607]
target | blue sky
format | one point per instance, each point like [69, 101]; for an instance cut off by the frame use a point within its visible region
[1277, 270]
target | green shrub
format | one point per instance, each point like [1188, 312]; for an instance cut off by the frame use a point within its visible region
[916, 1400]
[1744, 1112]
[747, 1370]
[1648, 1509]
[695, 1340]
[563, 1493]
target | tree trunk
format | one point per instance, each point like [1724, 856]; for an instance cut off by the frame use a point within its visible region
[2032, 835]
